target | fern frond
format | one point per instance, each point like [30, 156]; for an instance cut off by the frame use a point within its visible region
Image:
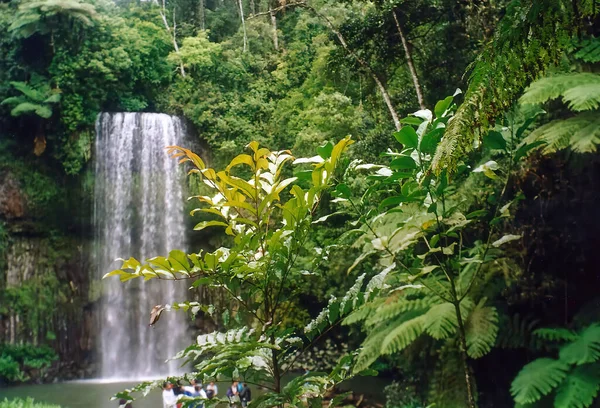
[516, 331]
[397, 306]
[590, 51]
[586, 349]
[537, 379]
[371, 348]
[481, 329]
[27, 107]
[403, 335]
[440, 321]
[531, 36]
[580, 388]
[556, 334]
[359, 314]
[580, 90]
[581, 133]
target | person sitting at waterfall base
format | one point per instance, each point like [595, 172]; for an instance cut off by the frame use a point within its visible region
[245, 395]
[232, 394]
[200, 393]
[168, 396]
[212, 390]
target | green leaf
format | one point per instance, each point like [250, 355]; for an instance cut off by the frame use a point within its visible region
[442, 106]
[343, 191]
[411, 120]
[494, 140]
[204, 224]
[325, 150]
[430, 140]
[407, 136]
[537, 379]
[403, 162]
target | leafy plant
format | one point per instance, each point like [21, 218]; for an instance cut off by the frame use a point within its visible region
[257, 271]
[43, 16]
[17, 360]
[36, 98]
[420, 231]
[581, 133]
[573, 378]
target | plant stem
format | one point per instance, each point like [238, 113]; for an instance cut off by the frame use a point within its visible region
[463, 348]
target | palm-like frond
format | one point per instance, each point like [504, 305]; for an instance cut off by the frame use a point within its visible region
[556, 334]
[581, 133]
[590, 50]
[481, 329]
[440, 321]
[585, 349]
[32, 16]
[516, 331]
[537, 379]
[581, 91]
[580, 388]
[403, 335]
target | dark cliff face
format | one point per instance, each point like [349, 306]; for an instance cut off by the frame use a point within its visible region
[46, 294]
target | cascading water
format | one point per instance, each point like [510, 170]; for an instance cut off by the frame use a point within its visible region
[139, 212]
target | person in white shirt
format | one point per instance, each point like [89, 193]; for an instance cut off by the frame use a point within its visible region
[191, 389]
[212, 390]
[168, 396]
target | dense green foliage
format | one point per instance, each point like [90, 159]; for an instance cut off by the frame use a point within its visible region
[28, 403]
[19, 363]
[444, 239]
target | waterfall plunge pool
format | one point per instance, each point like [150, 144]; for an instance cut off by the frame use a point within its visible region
[97, 393]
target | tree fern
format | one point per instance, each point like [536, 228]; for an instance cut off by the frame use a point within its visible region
[580, 388]
[481, 329]
[537, 379]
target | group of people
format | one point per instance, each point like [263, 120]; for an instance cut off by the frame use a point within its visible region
[239, 392]
[173, 393]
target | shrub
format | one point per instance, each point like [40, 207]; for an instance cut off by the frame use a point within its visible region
[17, 361]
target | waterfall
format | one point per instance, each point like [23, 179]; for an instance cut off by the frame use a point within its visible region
[139, 212]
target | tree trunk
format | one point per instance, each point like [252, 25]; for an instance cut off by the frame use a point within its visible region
[243, 25]
[163, 14]
[202, 14]
[409, 61]
[252, 7]
[363, 64]
[274, 25]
